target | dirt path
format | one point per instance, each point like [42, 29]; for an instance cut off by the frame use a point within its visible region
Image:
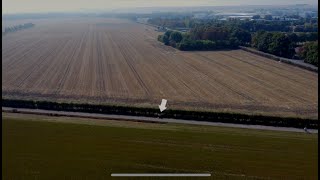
[149, 119]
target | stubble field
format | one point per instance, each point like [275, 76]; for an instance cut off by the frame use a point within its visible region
[102, 60]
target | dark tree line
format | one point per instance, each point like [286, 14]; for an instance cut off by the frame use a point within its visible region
[18, 27]
[288, 45]
[182, 22]
[301, 25]
[204, 37]
[208, 37]
[289, 39]
[152, 112]
[303, 37]
[274, 43]
[309, 52]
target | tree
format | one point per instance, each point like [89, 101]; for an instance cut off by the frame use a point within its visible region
[165, 39]
[261, 40]
[312, 36]
[310, 53]
[293, 37]
[215, 33]
[268, 17]
[243, 37]
[168, 33]
[256, 17]
[187, 22]
[276, 43]
[281, 45]
[160, 38]
[175, 36]
[186, 45]
[234, 42]
[196, 33]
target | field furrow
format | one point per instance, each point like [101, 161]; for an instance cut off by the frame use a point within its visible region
[105, 60]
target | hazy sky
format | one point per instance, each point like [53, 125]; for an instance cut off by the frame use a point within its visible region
[20, 6]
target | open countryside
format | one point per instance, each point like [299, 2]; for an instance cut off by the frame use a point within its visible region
[104, 60]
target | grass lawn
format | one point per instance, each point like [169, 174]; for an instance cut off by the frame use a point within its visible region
[43, 147]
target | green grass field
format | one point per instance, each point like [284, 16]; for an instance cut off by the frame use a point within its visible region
[43, 147]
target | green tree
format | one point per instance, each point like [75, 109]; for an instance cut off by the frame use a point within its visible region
[215, 33]
[165, 39]
[160, 38]
[268, 17]
[293, 37]
[261, 40]
[242, 36]
[196, 33]
[175, 36]
[281, 45]
[234, 42]
[168, 33]
[256, 17]
[310, 52]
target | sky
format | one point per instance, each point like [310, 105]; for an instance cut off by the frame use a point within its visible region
[35, 6]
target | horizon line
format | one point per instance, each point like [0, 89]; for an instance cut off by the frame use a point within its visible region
[82, 10]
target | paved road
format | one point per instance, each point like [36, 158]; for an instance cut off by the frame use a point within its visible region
[151, 119]
[298, 63]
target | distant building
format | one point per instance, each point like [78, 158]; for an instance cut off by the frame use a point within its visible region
[308, 14]
[200, 16]
[182, 29]
[161, 29]
[230, 16]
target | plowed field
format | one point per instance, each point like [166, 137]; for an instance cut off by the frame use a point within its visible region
[102, 60]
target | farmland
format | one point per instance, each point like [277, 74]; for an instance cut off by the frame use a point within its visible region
[102, 60]
[44, 147]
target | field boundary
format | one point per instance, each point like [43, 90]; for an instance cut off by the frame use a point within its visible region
[223, 117]
[62, 114]
[296, 63]
[139, 119]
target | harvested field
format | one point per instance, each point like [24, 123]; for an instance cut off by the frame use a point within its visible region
[102, 60]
